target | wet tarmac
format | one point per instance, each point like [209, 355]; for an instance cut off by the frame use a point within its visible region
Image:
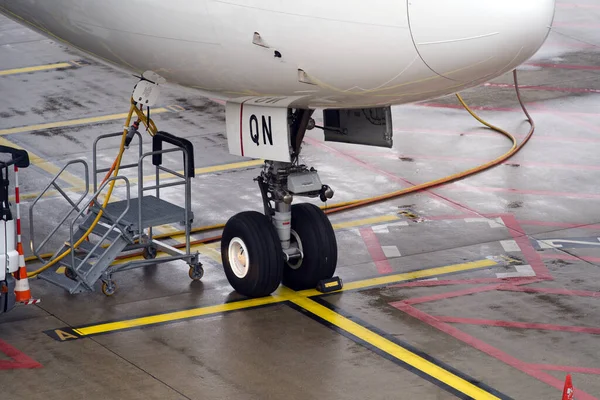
[485, 288]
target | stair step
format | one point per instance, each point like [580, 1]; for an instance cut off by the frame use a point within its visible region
[82, 268]
[87, 247]
[62, 281]
[100, 229]
[85, 267]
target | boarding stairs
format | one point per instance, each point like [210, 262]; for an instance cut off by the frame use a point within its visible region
[124, 226]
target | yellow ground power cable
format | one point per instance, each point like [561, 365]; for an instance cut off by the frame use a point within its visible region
[472, 171]
[349, 205]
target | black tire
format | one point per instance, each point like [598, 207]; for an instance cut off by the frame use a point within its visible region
[265, 267]
[319, 246]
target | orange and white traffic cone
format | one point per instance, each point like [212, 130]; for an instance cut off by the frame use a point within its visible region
[569, 390]
[22, 291]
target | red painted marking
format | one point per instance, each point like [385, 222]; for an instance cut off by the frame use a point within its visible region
[568, 257]
[507, 109]
[543, 88]
[421, 131]
[17, 197]
[468, 188]
[566, 292]
[19, 360]
[520, 325]
[558, 224]
[476, 108]
[531, 255]
[19, 226]
[571, 44]
[443, 296]
[581, 122]
[241, 130]
[466, 282]
[449, 217]
[375, 250]
[488, 349]
[566, 368]
[418, 157]
[567, 66]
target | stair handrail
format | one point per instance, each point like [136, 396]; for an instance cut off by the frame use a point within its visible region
[74, 206]
[115, 220]
[97, 171]
[186, 148]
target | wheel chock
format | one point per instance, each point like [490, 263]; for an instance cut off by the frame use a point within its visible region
[330, 285]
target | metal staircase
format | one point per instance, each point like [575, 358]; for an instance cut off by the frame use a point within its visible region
[124, 226]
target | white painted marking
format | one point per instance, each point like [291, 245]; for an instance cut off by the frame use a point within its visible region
[545, 244]
[391, 251]
[493, 223]
[523, 271]
[385, 227]
[554, 243]
[380, 229]
[510, 245]
[469, 220]
[496, 223]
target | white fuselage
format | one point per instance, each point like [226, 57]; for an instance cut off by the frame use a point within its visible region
[333, 53]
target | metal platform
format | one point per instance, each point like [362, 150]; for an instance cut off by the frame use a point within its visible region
[123, 225]
[154, 212]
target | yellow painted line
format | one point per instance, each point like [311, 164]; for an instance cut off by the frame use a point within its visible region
[225, 167]
[281, 295]
[80, 186]
[34, 69]
[72, 122]
[407, 276]
[366, 221]
[212, 250]
[393, 349]
[177, 315]
[205, 170]
[46, 166]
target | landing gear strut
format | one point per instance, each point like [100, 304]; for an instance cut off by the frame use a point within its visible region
[293, 244]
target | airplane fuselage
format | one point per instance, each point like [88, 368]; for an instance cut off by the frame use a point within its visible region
[320, 53]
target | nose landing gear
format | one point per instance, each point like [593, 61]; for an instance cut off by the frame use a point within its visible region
[293, 244]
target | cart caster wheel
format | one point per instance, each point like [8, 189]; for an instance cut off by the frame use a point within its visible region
[109, 288]
[69, 273]
[196, 273]
[149, 253]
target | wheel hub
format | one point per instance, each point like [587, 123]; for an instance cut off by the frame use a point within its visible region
[295, 243]
[238, 257]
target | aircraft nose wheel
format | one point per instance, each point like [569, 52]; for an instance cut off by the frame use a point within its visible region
[317, 241]
[252, 255]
